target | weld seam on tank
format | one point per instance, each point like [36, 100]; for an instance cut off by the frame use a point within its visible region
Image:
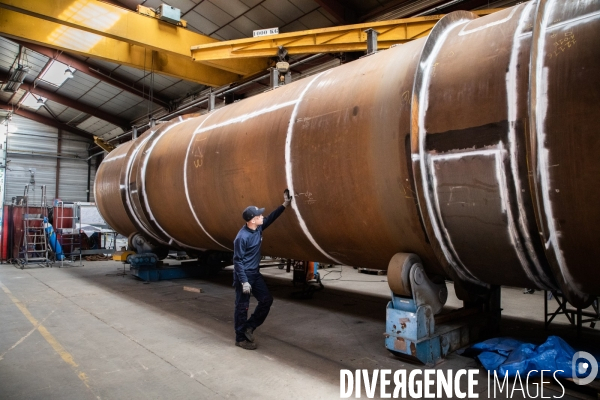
[288, 169]
[539, 107]
[536, 272]
[433, 45]
[494, 23]
[185, 179]
[126, 192]
[144, 161]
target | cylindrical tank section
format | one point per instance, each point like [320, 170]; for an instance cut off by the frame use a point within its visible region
[475, 148]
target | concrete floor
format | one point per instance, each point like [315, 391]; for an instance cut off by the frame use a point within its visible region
[84, 333]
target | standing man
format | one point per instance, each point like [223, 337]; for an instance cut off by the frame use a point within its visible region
[247, 279]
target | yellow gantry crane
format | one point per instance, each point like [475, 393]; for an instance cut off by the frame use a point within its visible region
[100, 30]
[325, 40]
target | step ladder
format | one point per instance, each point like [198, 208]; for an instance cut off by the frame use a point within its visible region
[35, 243]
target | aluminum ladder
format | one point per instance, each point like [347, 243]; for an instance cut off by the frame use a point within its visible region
[35, 243]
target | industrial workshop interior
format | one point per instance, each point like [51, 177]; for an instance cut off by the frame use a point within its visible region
[428, 171]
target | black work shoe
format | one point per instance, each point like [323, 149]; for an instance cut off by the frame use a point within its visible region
[246, 345]
[249, 333]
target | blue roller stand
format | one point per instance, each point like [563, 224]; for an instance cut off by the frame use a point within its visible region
[411, 331]
[145, 266]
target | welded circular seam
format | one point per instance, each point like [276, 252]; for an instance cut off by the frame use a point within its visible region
[464, 32]
[145, 204]
[108, 158]
[125, 192]
[137, 211]
[536, 272]
[539, 93]
[288, 169]
[421, 88]
[185, 183]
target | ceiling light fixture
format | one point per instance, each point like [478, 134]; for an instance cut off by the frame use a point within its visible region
[16, 78]
[32, 101]
[68, 72]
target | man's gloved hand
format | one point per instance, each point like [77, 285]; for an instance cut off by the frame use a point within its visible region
[287, 198]
[246, 288]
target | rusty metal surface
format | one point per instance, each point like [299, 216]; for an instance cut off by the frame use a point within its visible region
[469, 152]
[473, 148]
[107, 188]
[565, 82]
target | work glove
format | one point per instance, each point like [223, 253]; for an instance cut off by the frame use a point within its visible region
[287, 198]
[246, 288]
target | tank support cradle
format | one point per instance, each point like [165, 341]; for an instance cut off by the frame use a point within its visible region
[414, 331]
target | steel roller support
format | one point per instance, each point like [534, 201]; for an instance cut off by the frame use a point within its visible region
[475, 148]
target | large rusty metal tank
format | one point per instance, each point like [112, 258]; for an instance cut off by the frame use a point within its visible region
[476, 148]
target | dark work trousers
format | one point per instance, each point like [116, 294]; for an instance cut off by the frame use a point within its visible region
[242, 302]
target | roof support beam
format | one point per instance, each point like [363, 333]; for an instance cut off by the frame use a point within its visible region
[57, 36]
[46, 121]
[77, 105]
[90, 70]
[342, 13]
[325, 40]
[106, 20]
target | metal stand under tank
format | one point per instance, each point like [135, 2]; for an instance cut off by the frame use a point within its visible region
[414, 331]
[146, 267]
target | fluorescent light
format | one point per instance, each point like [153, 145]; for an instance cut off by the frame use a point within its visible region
[16, 78]
[56, 74]
[31, 101]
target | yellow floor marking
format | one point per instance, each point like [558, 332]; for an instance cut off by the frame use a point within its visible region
[62, 352]
[23, 338]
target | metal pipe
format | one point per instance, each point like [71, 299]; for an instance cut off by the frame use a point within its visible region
[89, 179]
[46, 137]
[33, 153]
[438, 8]
[220, 91]
[95, 154]
[58, 151]
[475, 148]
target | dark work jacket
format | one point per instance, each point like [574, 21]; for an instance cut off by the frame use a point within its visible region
[246, 248]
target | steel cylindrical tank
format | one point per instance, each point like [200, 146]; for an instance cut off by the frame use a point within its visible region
[470, 148]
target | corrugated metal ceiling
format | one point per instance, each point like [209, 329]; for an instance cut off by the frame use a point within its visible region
[221, 19]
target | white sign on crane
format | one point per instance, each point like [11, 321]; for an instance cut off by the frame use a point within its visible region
[265, 32]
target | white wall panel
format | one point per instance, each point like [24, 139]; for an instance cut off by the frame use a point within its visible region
[30, 137]
[33, 137]
[73, 174]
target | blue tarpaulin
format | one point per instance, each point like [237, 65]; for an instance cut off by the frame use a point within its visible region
[506, 356]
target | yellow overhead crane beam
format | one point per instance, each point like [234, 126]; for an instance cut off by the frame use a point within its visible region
[57, 36]
[325, 40]
[90, 27]
[107, 147]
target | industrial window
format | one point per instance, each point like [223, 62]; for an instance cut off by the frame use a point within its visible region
[57, 73]
[33, 101]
